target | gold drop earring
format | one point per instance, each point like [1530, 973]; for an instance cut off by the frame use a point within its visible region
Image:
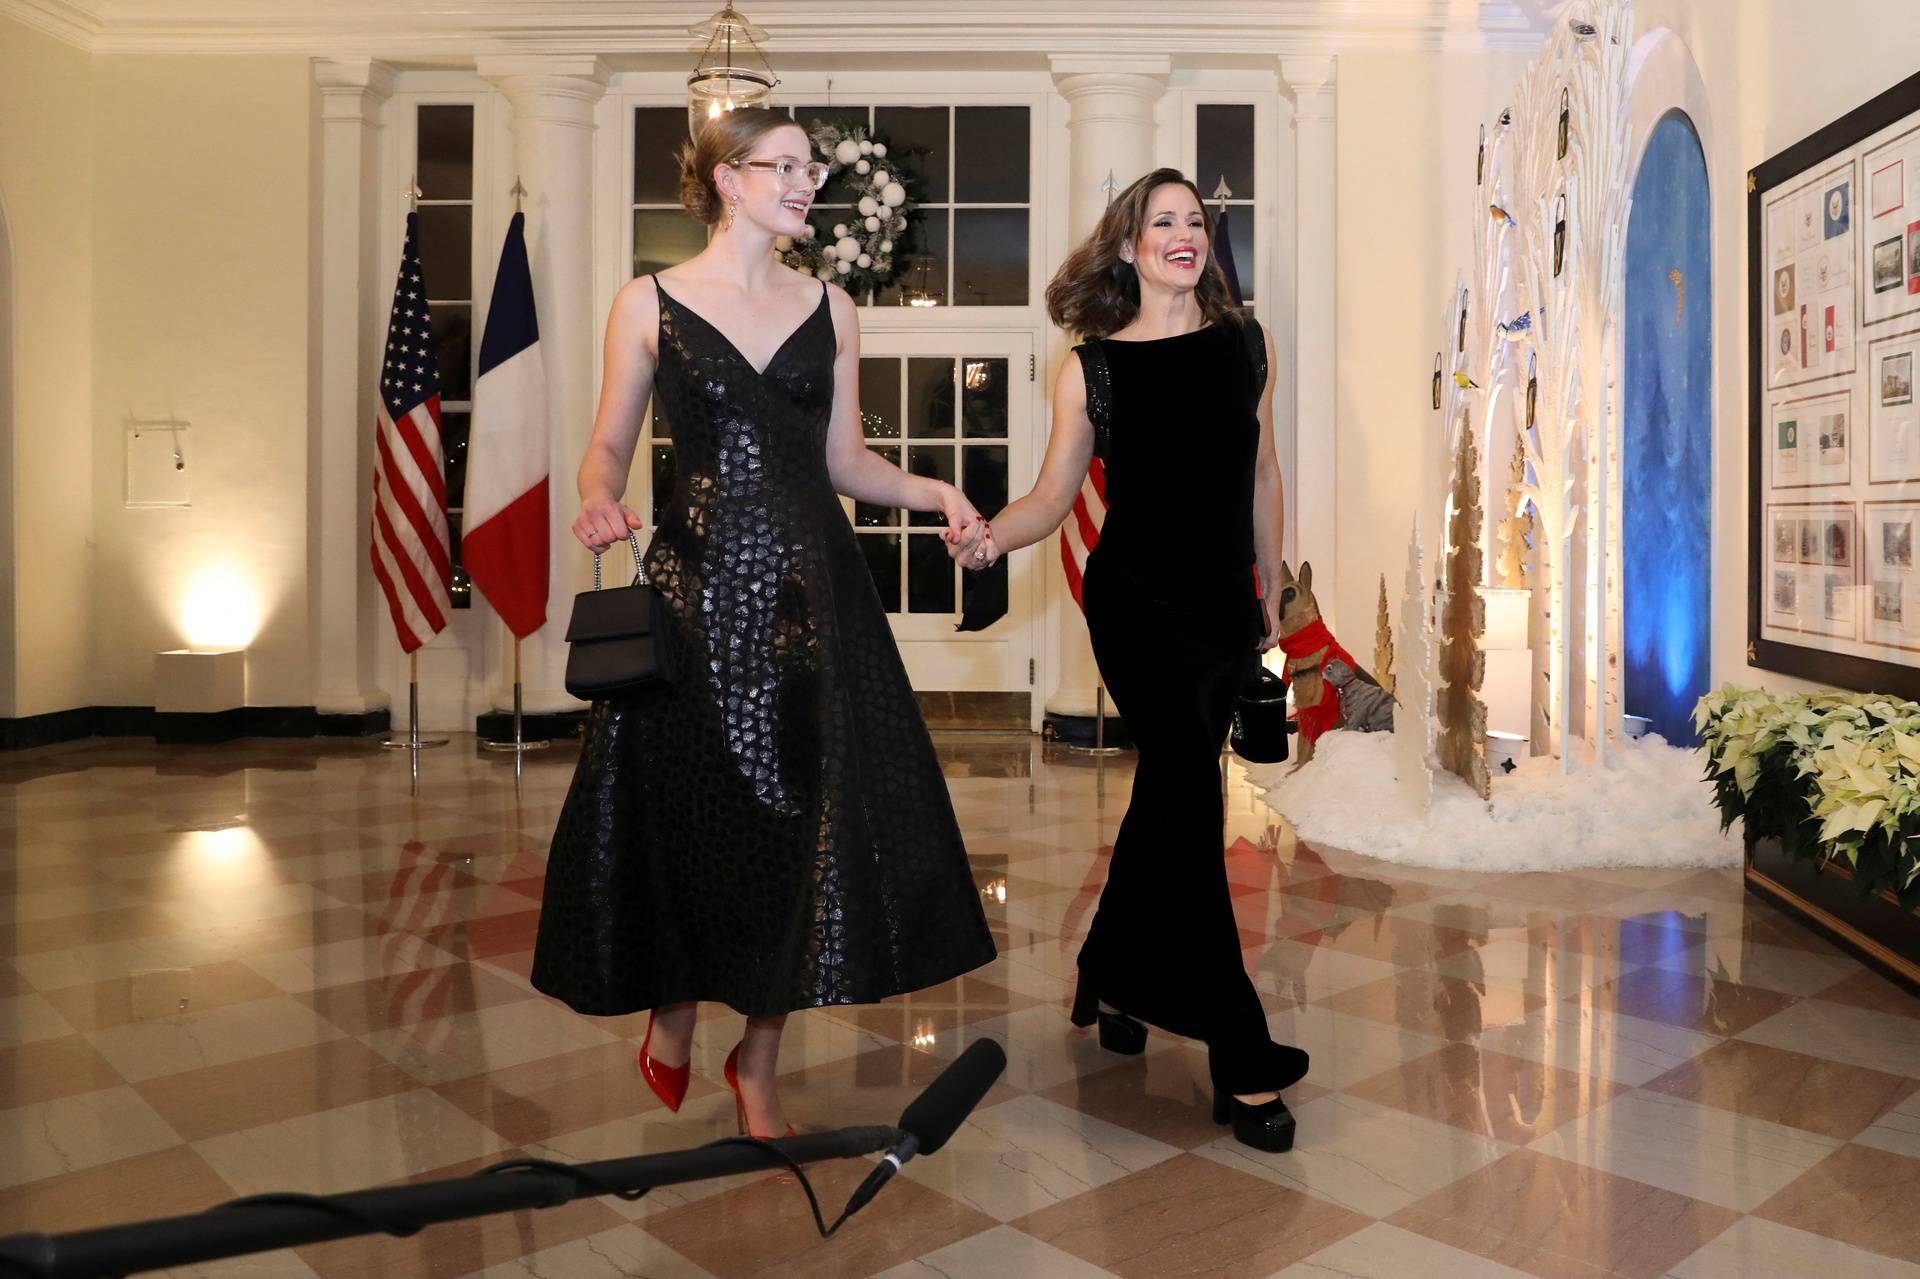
[733, 207]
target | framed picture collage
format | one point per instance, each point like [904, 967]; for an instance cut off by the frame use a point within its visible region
[1834, 277]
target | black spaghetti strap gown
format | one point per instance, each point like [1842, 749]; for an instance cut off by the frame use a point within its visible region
[771, 830]
[1175, 622]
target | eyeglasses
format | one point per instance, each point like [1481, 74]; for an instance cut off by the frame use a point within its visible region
[784, 169]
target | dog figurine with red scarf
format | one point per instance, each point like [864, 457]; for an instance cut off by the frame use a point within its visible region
[1330, 690]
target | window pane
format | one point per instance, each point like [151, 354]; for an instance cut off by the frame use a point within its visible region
[445, 151]
[917, 137]
[934, 460]
[663, 237]
[837, 190]
[446, 250]
[1223, 147]
[883, 561]
[930, 397]
[990, 257]
[662, 480]
[983, 398]
[453, 442]
[658, 135]
[990, 155]
[1240, 240]
[453, 349]
[662, 429]
[880, 397]
[929, 576]
[923, 260]
[986, 477]
[867, 515]
[460, 587]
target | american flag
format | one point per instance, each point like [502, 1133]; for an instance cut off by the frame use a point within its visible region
[412, 553]
[1081, 532]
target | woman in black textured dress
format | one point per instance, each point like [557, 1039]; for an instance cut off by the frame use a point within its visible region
[1170, 389]
[771, 830]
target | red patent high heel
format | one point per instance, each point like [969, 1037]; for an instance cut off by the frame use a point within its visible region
[732, 1072]
[669, 1083]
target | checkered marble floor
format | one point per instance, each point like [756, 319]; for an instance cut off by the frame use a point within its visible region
[269, 966]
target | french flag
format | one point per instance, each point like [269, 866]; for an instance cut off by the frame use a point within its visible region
[505, 544]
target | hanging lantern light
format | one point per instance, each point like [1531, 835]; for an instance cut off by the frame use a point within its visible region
[732, 72]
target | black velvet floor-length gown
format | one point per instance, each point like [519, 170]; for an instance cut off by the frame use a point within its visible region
[771, 830]
[1175, 622]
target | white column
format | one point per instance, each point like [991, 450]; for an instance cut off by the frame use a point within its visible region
[554, 99]
[1312, 83]
[346, 622]
[1110, 105]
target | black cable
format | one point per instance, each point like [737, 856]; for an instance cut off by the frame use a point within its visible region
[813, 1200]
[595, 1184]
[293, 1199]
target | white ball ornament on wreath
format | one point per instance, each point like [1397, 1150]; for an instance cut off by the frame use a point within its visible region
[847, 249]
[880, 149]
[881, 177]
[866, 148]
[863, 261]
[863, 167]
[839, 230]
[872, 224]
[807, 231]
[886, 246]
[843, 268]
[824, 273]
[847, 152]
[868, 206]
[893, 195]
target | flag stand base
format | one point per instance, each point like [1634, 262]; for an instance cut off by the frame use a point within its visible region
[519, 742]
[413, 741]
[1099, 746]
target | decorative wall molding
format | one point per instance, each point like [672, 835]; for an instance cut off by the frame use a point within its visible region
[437, 28]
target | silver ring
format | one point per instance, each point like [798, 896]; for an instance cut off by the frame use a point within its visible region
[980, 555]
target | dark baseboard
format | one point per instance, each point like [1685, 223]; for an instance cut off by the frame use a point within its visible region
[554, 726]
[175, 728]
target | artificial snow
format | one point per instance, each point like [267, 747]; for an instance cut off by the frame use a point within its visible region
[1649, 806]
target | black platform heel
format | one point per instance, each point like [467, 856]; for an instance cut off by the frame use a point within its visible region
[1119, 1033]
[1266, 1127]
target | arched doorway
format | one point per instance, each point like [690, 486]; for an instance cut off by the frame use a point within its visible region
[1667, 444]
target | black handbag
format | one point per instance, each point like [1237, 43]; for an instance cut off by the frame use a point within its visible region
[619, 638]
[1260, 724]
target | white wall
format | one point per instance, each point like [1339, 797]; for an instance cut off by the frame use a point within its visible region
[201, 240]
[46, 181]
[1407, 129]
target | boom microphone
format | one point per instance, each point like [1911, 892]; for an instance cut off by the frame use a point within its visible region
[935, 1115]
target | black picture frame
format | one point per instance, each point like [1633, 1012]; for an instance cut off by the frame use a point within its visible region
[1840, 670]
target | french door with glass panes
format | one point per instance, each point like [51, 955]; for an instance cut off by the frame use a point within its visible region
[958, 406]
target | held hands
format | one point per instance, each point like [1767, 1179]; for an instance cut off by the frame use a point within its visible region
[967, 536]
[602, 522]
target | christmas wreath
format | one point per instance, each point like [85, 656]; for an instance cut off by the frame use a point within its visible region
[861, 254]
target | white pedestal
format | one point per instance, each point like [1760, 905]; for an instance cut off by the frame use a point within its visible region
[195, 682]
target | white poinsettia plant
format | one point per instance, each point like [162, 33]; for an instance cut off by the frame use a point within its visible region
[1851, 763]
[861, 254]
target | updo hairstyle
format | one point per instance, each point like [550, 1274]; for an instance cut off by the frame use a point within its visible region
[727, 138]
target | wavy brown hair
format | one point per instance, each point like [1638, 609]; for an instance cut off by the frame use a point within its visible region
[727, 138]
[1095, 292]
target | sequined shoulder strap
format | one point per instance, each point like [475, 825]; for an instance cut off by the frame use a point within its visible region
[1093, 368]
[1256, 343]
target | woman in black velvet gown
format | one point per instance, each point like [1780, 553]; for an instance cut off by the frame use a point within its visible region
[770, 830]
[1170, 389]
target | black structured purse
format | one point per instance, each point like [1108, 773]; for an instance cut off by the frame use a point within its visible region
[1260, 726]
[619, 638]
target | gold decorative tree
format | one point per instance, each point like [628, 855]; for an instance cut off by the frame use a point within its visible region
[1463, 619]
[1511, 567]
[1383, 640]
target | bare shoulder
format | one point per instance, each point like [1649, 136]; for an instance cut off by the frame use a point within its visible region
[1072, 381]
[636, 307]
[845, 313]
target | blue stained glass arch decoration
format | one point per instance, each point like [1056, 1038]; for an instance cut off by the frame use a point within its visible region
[1667, 444]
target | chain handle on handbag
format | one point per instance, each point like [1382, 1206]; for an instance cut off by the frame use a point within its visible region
[639, 566]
